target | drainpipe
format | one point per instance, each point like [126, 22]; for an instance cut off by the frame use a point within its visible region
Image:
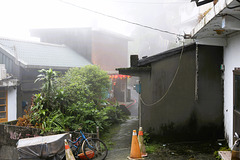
[196, 74]
[140, 108]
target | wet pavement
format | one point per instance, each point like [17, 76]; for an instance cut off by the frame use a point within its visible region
[122, 144]
[122, 147]
[122, 140]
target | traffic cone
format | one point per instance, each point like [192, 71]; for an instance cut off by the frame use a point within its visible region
[68, 151]
[141, 144]
[135, 150]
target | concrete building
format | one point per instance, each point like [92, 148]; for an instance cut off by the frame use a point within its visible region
[106, 49]
[19, 65]
[181, 96]
[220, 27]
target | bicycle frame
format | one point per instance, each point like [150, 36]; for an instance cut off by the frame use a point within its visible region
[80, 140]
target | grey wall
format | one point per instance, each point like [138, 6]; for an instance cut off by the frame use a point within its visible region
[13, 69]
[11, 65]
[27, 86]
[9, 136]
[178, 114]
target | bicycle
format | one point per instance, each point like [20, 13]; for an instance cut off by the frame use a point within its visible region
[88, 148]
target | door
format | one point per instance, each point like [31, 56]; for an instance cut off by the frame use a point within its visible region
[236, 101]
[3, 105]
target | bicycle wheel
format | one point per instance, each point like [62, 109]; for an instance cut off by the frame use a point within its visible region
[94, 148]
[75, 150]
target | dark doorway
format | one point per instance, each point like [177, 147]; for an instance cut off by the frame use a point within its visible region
[236, 101]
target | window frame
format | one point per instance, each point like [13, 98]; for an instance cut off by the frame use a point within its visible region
[6, 104]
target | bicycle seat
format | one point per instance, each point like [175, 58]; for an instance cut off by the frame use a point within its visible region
[80, 128]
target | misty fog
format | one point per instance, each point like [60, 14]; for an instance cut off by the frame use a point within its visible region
[175, 16]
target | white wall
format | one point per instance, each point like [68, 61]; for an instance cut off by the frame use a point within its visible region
[231, 60]
[12, 104]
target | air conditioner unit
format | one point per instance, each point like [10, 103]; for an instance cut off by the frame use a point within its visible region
[3, 72]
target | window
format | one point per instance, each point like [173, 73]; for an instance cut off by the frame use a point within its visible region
[3, 105]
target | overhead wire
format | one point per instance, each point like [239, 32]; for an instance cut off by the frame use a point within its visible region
[123, 20]
[233, 7]
[169, 87]
[234, 17]
[222, 15]
[149, 2]
[141, 2]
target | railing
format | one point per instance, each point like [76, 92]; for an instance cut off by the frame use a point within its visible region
[76, 134]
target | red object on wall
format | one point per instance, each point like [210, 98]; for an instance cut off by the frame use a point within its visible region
[117, 76]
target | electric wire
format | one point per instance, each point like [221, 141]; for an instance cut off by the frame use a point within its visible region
[165, 94]
[222, 15]
[123, 20]
[233, 7]
[234, 17]
[149, 2]
[135, 2]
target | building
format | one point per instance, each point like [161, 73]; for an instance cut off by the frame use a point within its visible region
[19, 65]
[105, 49]
[220, 27]
[181, 95]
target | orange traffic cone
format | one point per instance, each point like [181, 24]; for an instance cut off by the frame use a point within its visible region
[141, 144]
[68, 151]
[135, 150]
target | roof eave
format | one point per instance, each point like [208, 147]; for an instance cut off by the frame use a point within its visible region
[134, 71]
[47, 67]
[210, 30]
[163, 55]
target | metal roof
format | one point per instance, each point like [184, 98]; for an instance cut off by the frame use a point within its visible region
[76, 31]
[201, 2]
[212, 28]
[147, 60]
[35, 54]
[144, 63]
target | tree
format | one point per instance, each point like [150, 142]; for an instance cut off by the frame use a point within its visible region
[48, 91]
[89, 84]
[77, 97]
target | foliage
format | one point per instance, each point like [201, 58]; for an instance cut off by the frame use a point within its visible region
[55, 122]
[153, 148]
[146, 137]
[88, 84]
[89, 116]
[217, 156]
[25, 120]
[108, 135]
[48, 88]
[76, 98]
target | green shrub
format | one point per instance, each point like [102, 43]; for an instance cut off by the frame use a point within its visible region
[76, 99]
[124, 110]
[216, 155]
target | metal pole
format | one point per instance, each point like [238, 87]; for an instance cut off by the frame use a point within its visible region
[98, 132]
